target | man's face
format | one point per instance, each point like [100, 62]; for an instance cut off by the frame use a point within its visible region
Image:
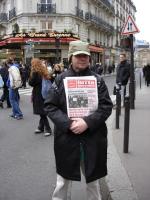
[80, 62]
[122, 58]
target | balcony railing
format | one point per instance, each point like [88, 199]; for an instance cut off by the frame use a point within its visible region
[79, 12]
[3, 17]
[98, 21]
[12, 13]
[46, 8]
[108, 4]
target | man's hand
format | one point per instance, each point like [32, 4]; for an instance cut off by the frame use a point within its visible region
[78, 125]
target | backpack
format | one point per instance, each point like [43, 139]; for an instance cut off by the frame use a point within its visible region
[46, 86]
[1, 82]
[16, 81]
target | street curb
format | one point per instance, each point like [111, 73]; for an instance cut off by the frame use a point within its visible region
[117, 180]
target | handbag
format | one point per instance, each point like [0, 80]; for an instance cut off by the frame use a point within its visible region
[46, 86]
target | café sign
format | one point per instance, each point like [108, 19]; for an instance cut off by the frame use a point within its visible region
[45, 35]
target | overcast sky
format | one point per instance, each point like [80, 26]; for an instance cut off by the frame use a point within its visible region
[142, 19]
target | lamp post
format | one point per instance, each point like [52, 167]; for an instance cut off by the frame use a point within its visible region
[57, 45]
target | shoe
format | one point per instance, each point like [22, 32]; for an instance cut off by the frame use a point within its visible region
[38, 131]
[47, 134]
[18, 117]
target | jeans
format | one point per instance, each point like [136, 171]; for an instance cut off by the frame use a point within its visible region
[14, 100]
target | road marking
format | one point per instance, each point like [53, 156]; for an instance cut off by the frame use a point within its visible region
[25, 91]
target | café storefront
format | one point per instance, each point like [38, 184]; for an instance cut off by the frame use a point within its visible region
[52, 47]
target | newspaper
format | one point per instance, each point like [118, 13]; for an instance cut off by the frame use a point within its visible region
[81, 95]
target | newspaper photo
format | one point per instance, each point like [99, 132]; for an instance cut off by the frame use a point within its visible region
[81, 95]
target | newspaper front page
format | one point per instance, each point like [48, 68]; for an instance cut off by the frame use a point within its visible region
[81, 95]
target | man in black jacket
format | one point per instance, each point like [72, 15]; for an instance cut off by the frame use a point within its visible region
[123, 73]
[5, 96]
[79, 143]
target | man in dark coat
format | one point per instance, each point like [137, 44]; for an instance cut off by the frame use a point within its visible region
[123, 71]
[79, 142]
[5, 96]
[123, 74]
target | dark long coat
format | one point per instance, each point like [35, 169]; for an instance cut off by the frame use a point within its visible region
[38, 102]
[94, 139]
[123, 73]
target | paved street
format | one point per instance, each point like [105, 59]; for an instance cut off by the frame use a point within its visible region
[27, 160]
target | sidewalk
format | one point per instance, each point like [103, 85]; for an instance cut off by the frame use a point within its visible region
[128, 174]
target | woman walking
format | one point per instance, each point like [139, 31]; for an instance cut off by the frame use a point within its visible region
[39, 71]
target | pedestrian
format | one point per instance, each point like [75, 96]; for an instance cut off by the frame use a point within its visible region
[5, 96]
[147, 74]
[79, 143]
[57, 69]
[122, 74]
[14, 82]
[23, 72]
[113, 67]
[39, 71]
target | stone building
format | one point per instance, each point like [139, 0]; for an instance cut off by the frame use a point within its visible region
[43, 28]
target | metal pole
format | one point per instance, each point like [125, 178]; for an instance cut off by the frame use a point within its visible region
[126, 125]
[132, 76]
[118, 107]
[140, 80]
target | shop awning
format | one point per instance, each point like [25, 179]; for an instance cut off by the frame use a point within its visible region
[96, 49]
[20, 39]
[2, 43]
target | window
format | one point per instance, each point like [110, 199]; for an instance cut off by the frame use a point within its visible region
[46, 1]
[46, 25]
[77, 29]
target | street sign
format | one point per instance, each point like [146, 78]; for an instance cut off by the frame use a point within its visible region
[129, 27]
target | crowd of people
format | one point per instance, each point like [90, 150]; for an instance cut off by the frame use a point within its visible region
[103, 69]
[16, 75]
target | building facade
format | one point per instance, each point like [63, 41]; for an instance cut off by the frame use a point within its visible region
[123, 8]
[43, 28]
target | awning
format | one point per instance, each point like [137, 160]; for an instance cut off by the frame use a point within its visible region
[95, 49]
[17, 42]
[2, 43]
